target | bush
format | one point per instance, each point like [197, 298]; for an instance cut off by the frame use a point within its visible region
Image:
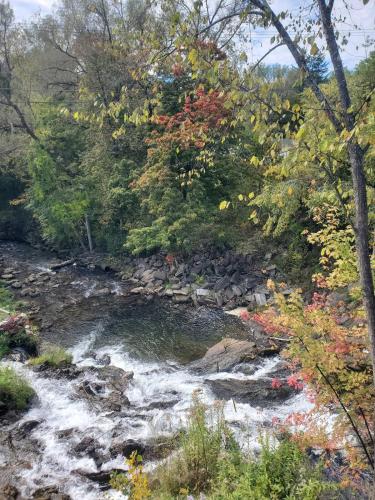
[280, 472]
[196, 464]
[210, 461]
[15, 393]
[54, 357]
[20, 339]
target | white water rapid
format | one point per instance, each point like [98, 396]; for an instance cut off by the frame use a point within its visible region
[59, 410]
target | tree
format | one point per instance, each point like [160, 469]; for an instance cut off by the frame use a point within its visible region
[344, 119]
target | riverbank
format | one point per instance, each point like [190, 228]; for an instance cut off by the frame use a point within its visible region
[137, 360]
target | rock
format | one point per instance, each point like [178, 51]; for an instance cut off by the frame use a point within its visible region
[180, 270]
[69, 372]
[117, 378]
[137, 290]
[105, 360]
[160, 275]
[219, 299]
[18, 354]
[260, 299]
[101, 477]
[7, 276]
[235, 278]
[16, 284]
[26, 427]
[237, 290]
[148, 275]
[225, 355]
[181, 291]
[49, 493]
[222, 283]
[9, 492]
[202, 292]
[255, 392]
[89, 446]
[101, 292]
[126, 448]
[161, 405]
[228, 294]
[64, 433]
[181, 299]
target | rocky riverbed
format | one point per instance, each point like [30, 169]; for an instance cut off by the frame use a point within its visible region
[137, 359]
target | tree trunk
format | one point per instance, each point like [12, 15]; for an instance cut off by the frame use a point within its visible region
[362, 241]
[88, 231]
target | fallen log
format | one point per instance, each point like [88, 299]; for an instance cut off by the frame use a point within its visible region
[59, 265]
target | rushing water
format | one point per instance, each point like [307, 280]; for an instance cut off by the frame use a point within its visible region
[155, 341]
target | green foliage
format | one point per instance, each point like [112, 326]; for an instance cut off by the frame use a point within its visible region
[6, 299]
[280, 472]
[210, 461]
[15, 393]
[54, 357]
[21, 338]
[196, 464]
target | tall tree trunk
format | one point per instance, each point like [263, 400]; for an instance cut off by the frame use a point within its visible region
[88, 231]
[363, 241]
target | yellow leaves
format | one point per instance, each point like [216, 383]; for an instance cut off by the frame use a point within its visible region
[224, 205]
[241, 197]
[254, 160]
[314, 49]
[193, 57]
[251, 195]
[290, 191]
[254, 217]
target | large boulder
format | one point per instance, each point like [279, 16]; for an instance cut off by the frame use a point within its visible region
[225, 355]
[258, 392]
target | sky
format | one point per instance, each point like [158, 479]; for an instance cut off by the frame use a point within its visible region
[360, 15]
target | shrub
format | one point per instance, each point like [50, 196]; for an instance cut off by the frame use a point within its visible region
[280, 472]
[54, 357]
[20, 339]
[196, 464]
[15, 393]
[134, 484]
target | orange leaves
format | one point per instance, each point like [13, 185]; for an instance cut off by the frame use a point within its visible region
[202, 115]
[329, 353]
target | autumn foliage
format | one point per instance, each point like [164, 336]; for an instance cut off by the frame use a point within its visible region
[202, 113]
[328, 351]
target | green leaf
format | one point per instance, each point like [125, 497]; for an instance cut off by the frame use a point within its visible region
[314, 49]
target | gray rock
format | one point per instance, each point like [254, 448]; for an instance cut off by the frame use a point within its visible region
[49, 493]
[160, 275]
[181, 299]
[235, 278]
[202, 292]
[222, 283]
[255, 392]
[16, 284]
[237, 290]
[260, 299]
[224, 355]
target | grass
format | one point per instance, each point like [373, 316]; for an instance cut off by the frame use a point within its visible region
[15, 392]
[209, 461]
[54, 357]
